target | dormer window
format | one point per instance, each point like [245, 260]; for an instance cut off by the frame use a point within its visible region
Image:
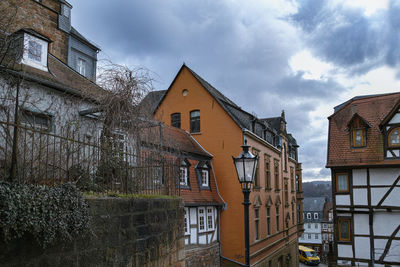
[35, 52]
[184, 173]
[203, 174]
[357, 127]
[82, 66]
[358, 137]
[394, 137]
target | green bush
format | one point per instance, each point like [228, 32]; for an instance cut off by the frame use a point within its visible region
[48, 213]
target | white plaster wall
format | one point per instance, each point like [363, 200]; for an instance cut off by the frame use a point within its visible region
[360, 197]
[186, 240]
[193, 235]
[377, 194]
[345, 251]
[393, 198]
[395, 119]
[209, 237]
[394, 252]
[361, 224]
[361, 264]
[384, 176]
[203, 239]
[342, 200]
[359, 177]
[385, 223]
[362, 247]
[193, 216]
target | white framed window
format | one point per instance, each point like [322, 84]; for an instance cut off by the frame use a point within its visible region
[316, 225]
[325, 236]
[309, 236]
[315, 215]
[201, 211]
[81, 66]
[308, 225]
[187, 222]
[308, 215]
[210, 219]
[205, 178]
[324, 226]
[316, 236]
[35, 52]
[183, 177]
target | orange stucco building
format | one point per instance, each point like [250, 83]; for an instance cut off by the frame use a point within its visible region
[220, 126]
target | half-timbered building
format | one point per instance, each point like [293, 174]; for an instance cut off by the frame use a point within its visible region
[364, 158]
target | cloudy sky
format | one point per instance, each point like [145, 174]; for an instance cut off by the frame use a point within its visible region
[304, 56]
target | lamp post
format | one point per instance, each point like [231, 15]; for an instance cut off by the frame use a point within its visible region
[245, 165]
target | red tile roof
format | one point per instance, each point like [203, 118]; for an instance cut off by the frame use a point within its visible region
[373, 109]
[182, 145]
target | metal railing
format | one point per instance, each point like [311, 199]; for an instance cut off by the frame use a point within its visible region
[94, 163]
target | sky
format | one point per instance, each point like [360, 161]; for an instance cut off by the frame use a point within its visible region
[301, 56]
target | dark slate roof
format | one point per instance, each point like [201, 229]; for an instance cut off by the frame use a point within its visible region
[313, 204]
[84, 39]
[242, 118]
[151, 101]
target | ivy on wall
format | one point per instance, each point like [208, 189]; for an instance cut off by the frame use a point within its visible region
[48, 213]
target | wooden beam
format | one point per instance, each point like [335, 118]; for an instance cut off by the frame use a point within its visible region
[389, 243]
[388, 192]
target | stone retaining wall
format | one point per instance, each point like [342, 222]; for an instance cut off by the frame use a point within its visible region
[127, 232]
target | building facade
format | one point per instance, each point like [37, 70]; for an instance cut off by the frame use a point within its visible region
[327, 233]
[220, 126]
[364, 158]
[312, 212]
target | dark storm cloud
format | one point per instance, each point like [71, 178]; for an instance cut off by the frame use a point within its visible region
[347, 37]
[243, 52]
[307, 88]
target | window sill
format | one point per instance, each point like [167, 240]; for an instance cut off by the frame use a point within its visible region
[268, 189]
[186, 187]
[196, 133]
[277, 190]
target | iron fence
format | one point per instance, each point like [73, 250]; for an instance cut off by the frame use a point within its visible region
[32, 154]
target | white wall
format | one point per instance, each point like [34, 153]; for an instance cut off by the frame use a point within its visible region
[342, 200]
[359, 177]
[345, 251]
[362, 247]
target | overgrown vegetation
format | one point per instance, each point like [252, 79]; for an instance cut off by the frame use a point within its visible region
[48, 213]
[121, 195]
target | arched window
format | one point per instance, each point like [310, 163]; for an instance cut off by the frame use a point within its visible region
[394, 137]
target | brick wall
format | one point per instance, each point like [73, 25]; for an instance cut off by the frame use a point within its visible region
[40, 17]
[127, 232]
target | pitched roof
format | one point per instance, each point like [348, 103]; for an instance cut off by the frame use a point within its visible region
[373, 109]
[173, 139]
[84, 39]
[151, 101]
[313, 204]
[60, 77]
[242, 118]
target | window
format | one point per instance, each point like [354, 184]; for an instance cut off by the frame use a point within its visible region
[176, 120]
[256, 224]
[394, 137]
[308, 225]
[267, 172]
[325, 236]
[257, 174]
[308, 215]
[195, 121]
[292, 179]
[293, 214]
[316, 225]
[315, 215]
[358, 137]
[309, 236]
[36, 120]
[284, 157]
[81, 66]
[187, 229]
[276, 173]
[206, 219]
[204, 178]
[210, 219]
[202, 216]
[268, 221]
[316, 236]
[342, 182]
[344, 229]
[324, 226]
[35, 52]
[203, 174]
[184, 173]
[277, 218]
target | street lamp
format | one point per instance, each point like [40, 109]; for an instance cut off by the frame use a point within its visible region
[245, 165]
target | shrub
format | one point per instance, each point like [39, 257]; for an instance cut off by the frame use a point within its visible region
[48, 213]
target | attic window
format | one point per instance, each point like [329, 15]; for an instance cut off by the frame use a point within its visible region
[358, 137]
[35, 52]
[394, 137]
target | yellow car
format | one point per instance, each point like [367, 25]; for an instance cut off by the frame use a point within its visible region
[308, 256]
